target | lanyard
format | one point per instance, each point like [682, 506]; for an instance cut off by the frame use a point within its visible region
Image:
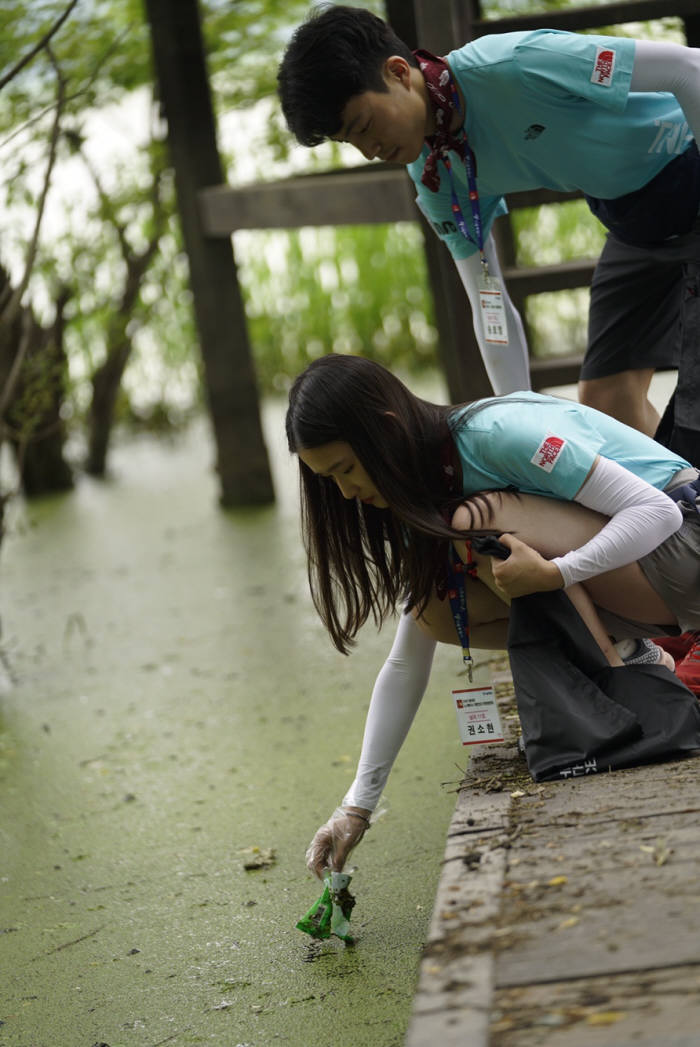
[470, 166]
[457, 594]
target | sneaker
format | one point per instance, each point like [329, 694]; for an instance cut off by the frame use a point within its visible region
[643, 652]
[688, 669]
[677, 646]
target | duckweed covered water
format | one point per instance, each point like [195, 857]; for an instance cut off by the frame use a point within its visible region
[171, 704]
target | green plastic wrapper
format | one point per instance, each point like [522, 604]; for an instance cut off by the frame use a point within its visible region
[331, 913]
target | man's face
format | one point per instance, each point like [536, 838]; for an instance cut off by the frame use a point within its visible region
[389, 125]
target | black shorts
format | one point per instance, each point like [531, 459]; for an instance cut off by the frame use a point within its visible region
[637, 294]
[647, 271]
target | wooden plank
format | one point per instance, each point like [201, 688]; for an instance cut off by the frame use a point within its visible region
[659, 1007]
[596, 868]
[363, 195]
[577, 18]
[537, 197]
[384, 194]
[598, 921]
[555, 370]
[561, 277]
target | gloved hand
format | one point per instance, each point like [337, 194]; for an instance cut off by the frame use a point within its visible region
[333, 842]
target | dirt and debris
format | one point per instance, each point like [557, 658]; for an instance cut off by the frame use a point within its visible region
[258, 857]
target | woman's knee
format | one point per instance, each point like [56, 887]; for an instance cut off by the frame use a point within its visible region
[485, 610]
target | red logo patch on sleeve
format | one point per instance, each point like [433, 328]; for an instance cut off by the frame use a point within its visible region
[545, 457]
[604, 67]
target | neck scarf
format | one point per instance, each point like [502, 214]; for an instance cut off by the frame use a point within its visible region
[444, 101]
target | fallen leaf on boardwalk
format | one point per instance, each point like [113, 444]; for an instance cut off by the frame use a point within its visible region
[517, 794]
[259, 857]
[571, 922]
[557, 881]
[606, 1017]
[502, 1025]
[660, 852]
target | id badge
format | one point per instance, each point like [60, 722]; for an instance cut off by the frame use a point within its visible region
[478, 718]
[493, 312]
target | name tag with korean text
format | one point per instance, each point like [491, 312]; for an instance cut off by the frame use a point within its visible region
[493, 313]
[478, 718]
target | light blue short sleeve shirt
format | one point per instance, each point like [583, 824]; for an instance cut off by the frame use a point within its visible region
[550, 109]
[545, 445]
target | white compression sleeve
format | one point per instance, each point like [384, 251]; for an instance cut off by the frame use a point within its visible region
[508, 367]
[660, 66]
[397, 693]
[641, 518]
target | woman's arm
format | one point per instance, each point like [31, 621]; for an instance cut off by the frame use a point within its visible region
[397, 693]
[642, 517]
[670, 67]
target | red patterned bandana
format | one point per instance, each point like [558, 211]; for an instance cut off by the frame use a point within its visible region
[444, 101]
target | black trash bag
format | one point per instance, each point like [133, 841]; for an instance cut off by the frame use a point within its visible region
[578, 714]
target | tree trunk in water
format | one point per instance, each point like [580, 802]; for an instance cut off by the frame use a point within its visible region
[32, 422]
[106, 382]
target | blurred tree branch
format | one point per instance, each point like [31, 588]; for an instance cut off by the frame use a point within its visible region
[44, 42]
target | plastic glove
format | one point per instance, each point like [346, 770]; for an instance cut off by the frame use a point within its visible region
[333, 842]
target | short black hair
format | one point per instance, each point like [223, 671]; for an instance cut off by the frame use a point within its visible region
[337, 54]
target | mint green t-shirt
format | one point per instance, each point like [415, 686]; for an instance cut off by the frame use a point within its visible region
[546, 445]
[551, 109]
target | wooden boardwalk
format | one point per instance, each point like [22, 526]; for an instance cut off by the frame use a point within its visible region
[568, 913]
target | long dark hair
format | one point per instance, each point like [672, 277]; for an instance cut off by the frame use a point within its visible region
[362, 560]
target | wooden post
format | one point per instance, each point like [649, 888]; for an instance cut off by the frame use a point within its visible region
[691, 25]
[180, 68]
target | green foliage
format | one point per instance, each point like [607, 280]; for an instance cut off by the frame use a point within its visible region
[42, 380]
[359, 289]
[547, 236]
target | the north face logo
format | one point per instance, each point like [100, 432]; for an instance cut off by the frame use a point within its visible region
[604, 67]
[545, 457]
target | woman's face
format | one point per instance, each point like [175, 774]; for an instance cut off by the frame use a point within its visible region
[338, 461]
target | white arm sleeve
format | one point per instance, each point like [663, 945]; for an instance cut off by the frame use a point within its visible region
[662, 66]
[641, 518]
[508, 366]
[397, 693]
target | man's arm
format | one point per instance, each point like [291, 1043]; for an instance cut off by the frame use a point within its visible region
[660, 66]
[507, 366]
